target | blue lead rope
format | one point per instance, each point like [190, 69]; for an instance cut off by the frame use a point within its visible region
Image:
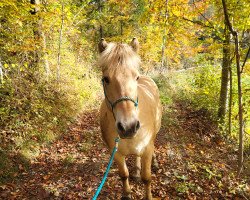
[107, 170]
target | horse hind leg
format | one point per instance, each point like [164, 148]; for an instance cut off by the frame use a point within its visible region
[136, 175]
[155, 165]
[124, 174]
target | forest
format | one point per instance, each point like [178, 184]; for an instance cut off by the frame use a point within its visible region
[196, 51]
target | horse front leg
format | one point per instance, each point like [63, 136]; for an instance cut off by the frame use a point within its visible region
[124, 174]
[146, 161]
[136, 176]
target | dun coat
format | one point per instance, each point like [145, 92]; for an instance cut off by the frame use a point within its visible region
[137, 126]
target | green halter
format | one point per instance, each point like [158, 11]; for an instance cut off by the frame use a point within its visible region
[125, 98]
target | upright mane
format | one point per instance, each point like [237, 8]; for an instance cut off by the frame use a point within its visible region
[119, 56]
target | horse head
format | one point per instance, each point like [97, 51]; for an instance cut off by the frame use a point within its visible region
[120, 64]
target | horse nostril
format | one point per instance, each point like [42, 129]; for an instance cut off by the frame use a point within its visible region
[120, 127]
[138, 125]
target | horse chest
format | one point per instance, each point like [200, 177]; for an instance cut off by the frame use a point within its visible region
[135, 146]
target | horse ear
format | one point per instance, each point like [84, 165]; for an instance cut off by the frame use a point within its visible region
[102, 45]
[135, 44]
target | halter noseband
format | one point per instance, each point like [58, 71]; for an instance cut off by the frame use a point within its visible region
[125, 98]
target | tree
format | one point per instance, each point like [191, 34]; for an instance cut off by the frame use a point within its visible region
[60, 43]
[1, 72]
[240, 107]
[224, 75]
[36, 31]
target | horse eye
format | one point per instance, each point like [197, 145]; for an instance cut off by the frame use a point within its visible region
[137, 78]
[106, 79]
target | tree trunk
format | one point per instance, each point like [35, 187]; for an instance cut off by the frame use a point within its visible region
[100, 10]
[1, 72]
[59, 45]
[241, 130]
[45, 56]
[37, 34]
[224, 76]
[230, 101]
[164, 38]
[163, 49]
[36, 8]
[101, 31]
[40, 54]
[121, 27]
[245, 60]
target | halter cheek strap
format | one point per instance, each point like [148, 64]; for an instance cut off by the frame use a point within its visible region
[125, 98]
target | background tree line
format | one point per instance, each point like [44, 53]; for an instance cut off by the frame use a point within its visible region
[48, 55]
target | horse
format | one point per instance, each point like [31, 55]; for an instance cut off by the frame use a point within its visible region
[131, 110]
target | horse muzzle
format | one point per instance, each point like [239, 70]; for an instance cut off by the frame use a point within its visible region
[127, 131]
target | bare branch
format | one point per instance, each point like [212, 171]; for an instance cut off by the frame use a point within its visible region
[227, 18]
[197, 22]
[245, 60]
[203, 15]
[200, 23]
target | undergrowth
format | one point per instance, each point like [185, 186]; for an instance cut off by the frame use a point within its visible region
[200, 88]
[35, 111]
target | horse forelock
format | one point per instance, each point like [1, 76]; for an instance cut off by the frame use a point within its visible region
[119, 57]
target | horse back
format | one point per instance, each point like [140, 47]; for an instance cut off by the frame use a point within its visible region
[149, 102]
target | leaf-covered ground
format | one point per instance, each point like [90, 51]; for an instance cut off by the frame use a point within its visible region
[194, 163]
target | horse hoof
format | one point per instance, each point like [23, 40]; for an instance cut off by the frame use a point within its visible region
[125, 198]
[155, 168]
[148, 198]
[136, 178]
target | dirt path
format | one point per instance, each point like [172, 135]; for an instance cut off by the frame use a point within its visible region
[194, 163]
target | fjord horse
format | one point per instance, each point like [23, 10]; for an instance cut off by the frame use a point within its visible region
[131, 109]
